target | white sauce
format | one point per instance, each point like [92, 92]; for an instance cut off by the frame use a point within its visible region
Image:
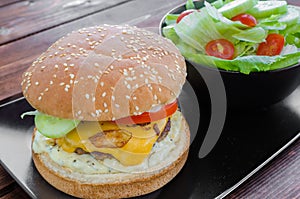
[87, 164]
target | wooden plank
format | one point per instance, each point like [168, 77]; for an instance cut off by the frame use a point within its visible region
[16, 193]
[294, 2]
[5, 179]
[27, 17]
[143, 13]
[7, 2]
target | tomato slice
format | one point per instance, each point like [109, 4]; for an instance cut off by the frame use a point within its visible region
[147, 117]
[221, 48]
[183, 14]
[246, 19]
[272, 46]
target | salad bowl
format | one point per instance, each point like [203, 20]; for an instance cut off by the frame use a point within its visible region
[242, 90]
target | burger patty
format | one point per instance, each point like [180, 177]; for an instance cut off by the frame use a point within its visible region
[99, 138]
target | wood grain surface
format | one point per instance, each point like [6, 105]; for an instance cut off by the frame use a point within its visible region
[29, 27]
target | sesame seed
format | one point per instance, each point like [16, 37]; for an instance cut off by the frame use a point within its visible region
[137, 108]
[98, 112]
[127, 97]
[103, 94]
[87, 96]
[62, 83]
[106, 111]
[93, 99]
[113, 98]
[102, 84]
[39, 98]
[104, 104]
[117, 105]
[56, 66]
[37, 83]
[72, 76]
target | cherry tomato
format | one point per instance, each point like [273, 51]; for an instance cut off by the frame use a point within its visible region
[183, 14]
[220, 48]
[246, 19]
[146, 117]
[272, 46]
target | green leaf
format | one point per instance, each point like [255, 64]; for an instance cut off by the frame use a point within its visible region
[255, 35]
[245, 64]
[171, 19]
[286, 60]
[217, 4]
[197, 30]
[189, 5]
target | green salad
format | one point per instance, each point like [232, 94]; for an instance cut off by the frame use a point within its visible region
[237, 35]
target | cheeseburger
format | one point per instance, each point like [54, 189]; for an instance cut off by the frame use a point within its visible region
[107, 120]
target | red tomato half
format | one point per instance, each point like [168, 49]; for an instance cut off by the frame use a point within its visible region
[183, 14]
[272, 46]
[246, 19]
[220, 48]
[146, 117]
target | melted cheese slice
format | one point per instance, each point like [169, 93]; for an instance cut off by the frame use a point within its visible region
[132, 153]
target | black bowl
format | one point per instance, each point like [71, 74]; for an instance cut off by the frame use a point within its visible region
[258, 89]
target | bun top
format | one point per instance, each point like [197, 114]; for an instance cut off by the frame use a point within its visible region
[104, 73]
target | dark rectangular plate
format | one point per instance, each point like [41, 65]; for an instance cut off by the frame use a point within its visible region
[248, 141]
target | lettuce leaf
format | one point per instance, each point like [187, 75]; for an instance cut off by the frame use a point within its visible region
[246, 64]
[190, 4]
[196, 30]
[171, 19]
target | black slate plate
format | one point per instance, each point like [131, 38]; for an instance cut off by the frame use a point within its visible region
[250, 138]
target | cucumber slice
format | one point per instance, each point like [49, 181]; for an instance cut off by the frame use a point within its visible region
[291, 17]
[268, 8]
[234, 8]
[54, 127]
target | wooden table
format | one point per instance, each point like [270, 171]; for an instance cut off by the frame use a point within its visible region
[29, 27]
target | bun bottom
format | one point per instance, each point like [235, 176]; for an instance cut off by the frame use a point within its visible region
[119, 185]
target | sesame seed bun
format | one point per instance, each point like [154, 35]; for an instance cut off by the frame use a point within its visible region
[104, 73]
[116, 185]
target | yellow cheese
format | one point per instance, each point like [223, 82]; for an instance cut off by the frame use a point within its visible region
[133, 152]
